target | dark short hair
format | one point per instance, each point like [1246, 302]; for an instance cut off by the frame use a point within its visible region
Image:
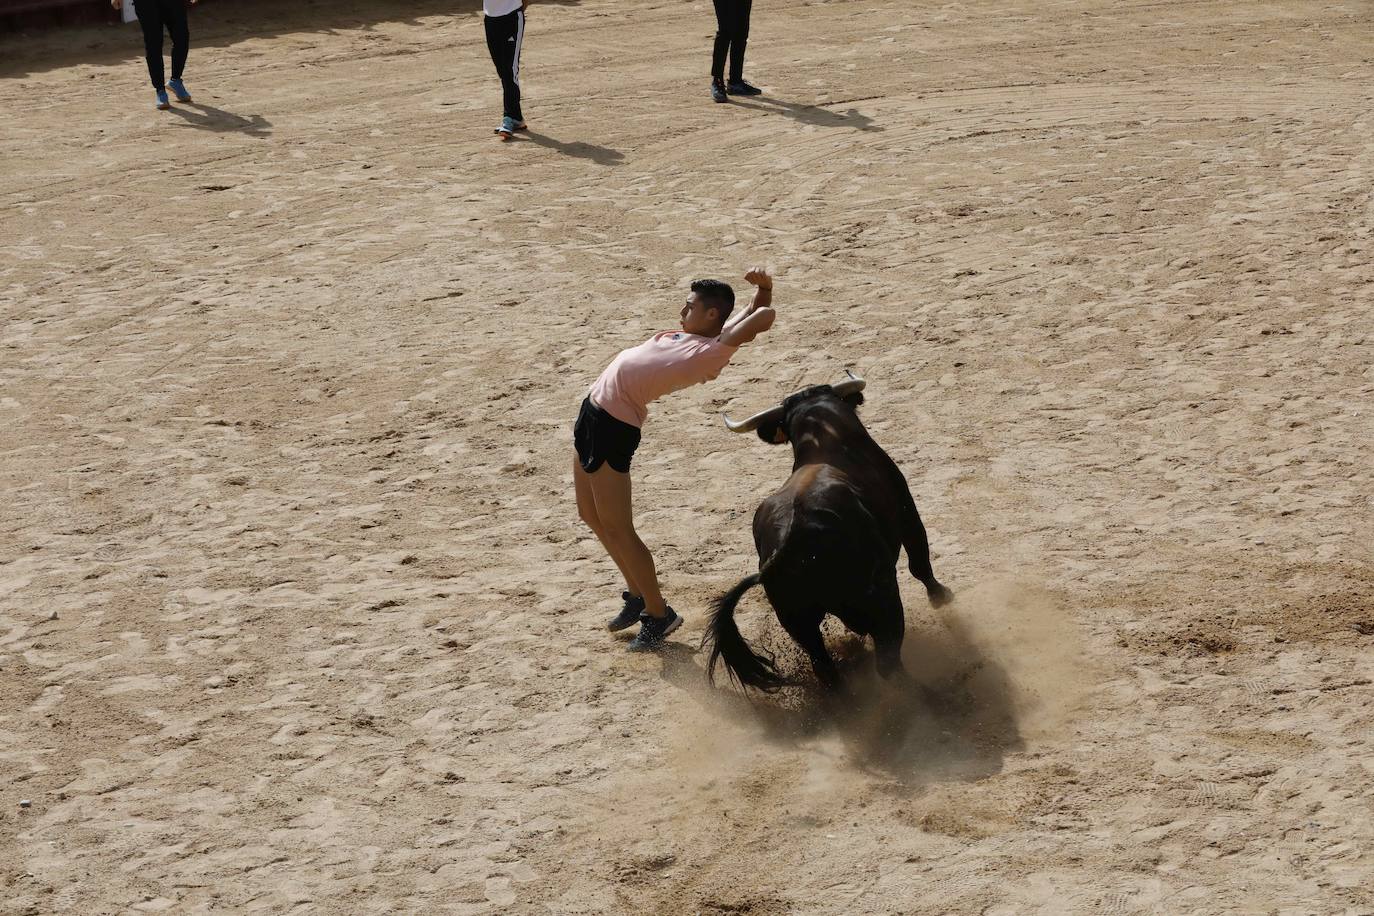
[717, 295]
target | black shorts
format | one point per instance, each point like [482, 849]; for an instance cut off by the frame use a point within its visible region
[600, 437]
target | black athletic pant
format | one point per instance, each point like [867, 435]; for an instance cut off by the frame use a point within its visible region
[732, 34]
[154, 16]
[505, 34]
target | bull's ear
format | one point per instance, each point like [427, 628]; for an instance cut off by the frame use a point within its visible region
[772, 432]
[855, 399]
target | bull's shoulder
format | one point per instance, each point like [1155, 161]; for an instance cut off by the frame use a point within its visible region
[849, 480]
[806, 483]
[819, 479]
[804, 476]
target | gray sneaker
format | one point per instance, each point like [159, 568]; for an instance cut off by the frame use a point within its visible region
[654, 630]
[629, 614]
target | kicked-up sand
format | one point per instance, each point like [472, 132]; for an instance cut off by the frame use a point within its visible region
[296, 615]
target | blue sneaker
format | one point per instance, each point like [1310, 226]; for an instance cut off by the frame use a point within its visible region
[629, 614]
[179, 89]
[653, 631]
[162, 103]
[508, 127]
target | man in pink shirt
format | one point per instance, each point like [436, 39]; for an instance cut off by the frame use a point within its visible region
[607, 432]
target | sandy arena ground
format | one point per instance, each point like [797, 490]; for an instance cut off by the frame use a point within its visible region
[295, 612]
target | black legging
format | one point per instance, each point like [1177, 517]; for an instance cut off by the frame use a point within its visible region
[154, 16]
[505, 35]
[732, 34]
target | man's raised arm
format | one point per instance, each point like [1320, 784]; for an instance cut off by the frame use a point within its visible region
[756, 317]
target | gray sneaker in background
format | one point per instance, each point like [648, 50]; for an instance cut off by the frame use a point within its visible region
[629, 614]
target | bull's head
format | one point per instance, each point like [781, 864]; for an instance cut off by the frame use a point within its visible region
[771, 424]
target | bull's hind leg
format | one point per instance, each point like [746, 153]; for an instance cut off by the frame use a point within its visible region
[805, 629]
[888, 628]
[921, 569]
[918, 560]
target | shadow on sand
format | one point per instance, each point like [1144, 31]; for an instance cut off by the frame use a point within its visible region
[206, 117]
[809, 114]
[956, 723]
[601, 155]
[36, 48]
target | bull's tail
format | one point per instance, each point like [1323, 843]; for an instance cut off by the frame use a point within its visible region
[745, 666]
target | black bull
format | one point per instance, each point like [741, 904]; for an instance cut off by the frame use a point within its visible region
[828, 541]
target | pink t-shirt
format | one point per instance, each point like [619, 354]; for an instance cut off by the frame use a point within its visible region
[666, 362]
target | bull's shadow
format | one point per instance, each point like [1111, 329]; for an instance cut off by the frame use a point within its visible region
[957, 722]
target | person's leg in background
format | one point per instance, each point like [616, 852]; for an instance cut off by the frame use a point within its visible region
[180, 30]
[150, 21]
[739, 41]
[505, 35]
[725, 30]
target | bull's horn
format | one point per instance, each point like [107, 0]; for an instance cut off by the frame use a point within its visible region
[750, 424]
[852, 385]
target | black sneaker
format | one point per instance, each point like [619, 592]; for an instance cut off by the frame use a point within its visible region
[653, 631]
[740, 87]
[718, 91]
[629, 614]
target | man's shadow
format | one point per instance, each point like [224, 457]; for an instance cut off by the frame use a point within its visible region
[809, 114]
[601, 155]
[207, 117]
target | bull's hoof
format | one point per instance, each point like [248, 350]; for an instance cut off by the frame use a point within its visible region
[939, 595]
[892, 670]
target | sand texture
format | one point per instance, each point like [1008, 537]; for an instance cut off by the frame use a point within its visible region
[296, 615]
